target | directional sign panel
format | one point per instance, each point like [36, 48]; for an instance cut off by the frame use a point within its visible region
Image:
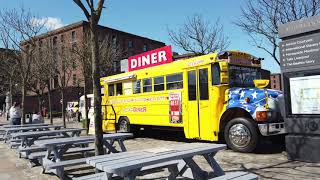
[300, 52]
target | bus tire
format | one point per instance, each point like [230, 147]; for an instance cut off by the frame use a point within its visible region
[241, 134]
[123, 125]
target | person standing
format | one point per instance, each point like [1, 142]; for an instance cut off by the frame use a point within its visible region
[15, 114]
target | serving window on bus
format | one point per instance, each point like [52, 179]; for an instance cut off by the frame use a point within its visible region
[240, 76]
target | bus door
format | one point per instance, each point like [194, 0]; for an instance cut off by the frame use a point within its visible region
[198, 101]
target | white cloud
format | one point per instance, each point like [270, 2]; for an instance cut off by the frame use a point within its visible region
[50, 23]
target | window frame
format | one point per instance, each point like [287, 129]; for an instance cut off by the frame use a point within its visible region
[163, 83]
[172, 82]
[143, 85]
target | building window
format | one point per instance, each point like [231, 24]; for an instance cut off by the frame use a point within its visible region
[74, 80]
[159, 83]
[73, 35]
[130, 44]
[54, 41]
[145, 47]
[174, 81]
[147, 85]
[62, 38]
[114, 40]
[74, 65]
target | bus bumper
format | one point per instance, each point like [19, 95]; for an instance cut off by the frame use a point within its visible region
[270, 129]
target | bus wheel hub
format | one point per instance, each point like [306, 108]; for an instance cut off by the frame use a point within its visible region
[239, 135]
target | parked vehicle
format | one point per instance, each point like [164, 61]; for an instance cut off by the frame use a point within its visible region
[209, 97]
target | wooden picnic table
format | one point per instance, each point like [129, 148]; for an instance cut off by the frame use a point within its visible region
[61, 146]
[8, 131]
[28, 138]
[129, 164]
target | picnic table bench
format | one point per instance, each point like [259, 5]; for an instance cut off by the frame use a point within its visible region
[61, 146]
[129, 164]
[27, 138]
[8, 131]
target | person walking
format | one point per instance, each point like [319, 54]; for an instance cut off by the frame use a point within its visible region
[15, 114]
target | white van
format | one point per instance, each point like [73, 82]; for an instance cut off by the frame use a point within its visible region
[82, 106]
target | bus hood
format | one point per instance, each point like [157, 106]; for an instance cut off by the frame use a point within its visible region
[253, 99]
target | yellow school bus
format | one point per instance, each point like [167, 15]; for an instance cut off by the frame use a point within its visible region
[213, 96]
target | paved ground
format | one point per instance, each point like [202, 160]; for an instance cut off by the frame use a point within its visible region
[269, 162]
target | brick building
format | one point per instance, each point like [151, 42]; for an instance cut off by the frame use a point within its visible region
[275, 81]
[74, 35]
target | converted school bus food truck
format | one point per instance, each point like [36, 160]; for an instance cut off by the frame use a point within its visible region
[209, 97]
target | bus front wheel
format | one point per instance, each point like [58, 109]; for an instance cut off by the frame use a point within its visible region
[241, 135]
[123, 125]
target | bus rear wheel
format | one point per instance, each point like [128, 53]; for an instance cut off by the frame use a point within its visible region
[123, 125]
[241, 135]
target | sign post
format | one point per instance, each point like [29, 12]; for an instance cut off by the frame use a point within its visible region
[300, 69]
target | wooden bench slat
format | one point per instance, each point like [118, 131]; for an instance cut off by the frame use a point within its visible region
[37, 155]
[239, 175]
[98, 176]
[67, 163]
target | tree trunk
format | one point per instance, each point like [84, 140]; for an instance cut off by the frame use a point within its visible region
[39, 103]
[63, 108]
[23, 118]
[87, 122]
[49, 103]
[96, 89]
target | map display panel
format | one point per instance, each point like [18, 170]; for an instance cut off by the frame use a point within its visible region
[305, 95]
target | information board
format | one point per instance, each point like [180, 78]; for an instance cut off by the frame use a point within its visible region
[305, 94]
[299, 52]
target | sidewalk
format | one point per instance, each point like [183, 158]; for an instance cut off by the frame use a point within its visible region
[271, 163]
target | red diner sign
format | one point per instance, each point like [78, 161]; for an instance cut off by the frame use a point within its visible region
[151, 58]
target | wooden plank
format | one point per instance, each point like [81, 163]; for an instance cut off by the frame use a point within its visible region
[239, 175]
[37, 155]
[66, 163]
[42, 133]
[24, 125]
[31, 128]
[159, 158]
[98, 176]
[72, 140]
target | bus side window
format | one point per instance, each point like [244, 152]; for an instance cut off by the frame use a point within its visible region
[147, 85]
[127, 88]
[174, 81]
[137, 87]
[159, 83]
[111, 90]
[119, 89]
[215, 73]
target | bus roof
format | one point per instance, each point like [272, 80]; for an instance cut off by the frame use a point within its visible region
[178, 66]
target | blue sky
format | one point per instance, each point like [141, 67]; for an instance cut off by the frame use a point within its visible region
[150, 18]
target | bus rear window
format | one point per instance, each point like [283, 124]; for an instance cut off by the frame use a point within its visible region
[147, 85]
[137, 87]
[174, 81]
[111, 90]
[159, 83]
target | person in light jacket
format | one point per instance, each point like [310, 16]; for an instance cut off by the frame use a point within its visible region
[15, 114]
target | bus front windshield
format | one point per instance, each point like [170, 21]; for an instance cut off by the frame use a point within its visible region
[240, 76]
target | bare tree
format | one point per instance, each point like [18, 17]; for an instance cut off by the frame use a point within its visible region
[43, 69]
[261, 18]
[109, 52]
[199, 36]
[64, 62]
[19, 26]
[93, 16]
